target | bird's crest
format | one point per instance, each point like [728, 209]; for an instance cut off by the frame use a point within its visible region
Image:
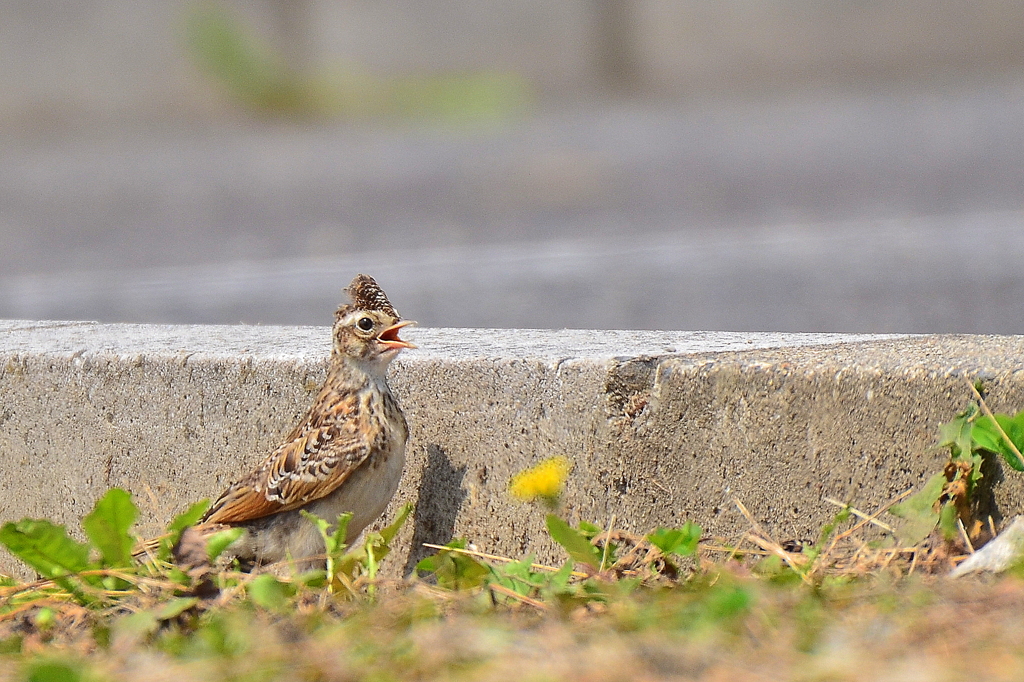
[366, 294]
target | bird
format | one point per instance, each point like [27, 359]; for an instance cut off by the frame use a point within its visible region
[346, 454]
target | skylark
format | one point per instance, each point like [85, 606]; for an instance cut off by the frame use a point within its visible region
[346, 454]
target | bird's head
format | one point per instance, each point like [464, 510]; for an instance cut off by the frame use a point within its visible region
[367, 328]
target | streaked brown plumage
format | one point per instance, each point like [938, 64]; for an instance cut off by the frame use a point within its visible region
[345, 455]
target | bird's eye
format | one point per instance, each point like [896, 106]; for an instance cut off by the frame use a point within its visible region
[365, 323]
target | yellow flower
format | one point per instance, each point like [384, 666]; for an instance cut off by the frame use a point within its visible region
[545, 480]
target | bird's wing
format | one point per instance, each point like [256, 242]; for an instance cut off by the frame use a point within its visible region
[320, 456]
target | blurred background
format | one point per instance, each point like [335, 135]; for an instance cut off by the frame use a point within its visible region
[788, 165]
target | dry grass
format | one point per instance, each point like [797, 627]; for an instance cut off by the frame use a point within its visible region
[761, 609]
[926, 629]
[866, 548]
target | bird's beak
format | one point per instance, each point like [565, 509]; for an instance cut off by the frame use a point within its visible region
[389, 337]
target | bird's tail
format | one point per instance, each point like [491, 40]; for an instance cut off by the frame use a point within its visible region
[189, 552]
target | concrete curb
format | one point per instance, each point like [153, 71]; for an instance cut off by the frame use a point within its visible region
[661, 426]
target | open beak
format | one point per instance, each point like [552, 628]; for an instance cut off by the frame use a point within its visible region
[389, 337]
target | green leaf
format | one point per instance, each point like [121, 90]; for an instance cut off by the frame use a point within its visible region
[174, 607]
[380, 543]
[375, 547]
[140, 625]
[267, 591]
[956, 434]
[108, 524]
[988, 437]
[578, 547]
[976, 475]
[315, 578]
[189, 517]
[321, 524]
[334, 543]
[523, 571]
[389, 532]
[453, 570]
[559, 581]
[1014, 427]
[51, 670]
[45, 547]
[519, 576]
[45, 618]
[221, 540]
[947, 521]
[918, 512]
[813, 551]
[135, 627]
[681, 541]
[726, 601]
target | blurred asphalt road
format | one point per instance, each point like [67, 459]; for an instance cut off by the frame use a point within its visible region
[870, 212]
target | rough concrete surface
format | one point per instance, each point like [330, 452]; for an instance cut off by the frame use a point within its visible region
[660, 426]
